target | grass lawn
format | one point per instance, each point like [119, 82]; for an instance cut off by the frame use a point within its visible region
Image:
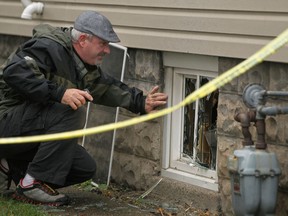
[13, 208]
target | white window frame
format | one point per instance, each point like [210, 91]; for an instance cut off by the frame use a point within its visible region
[173, 164]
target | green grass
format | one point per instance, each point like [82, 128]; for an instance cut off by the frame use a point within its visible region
[87, 186]
[13, 208]
[10, 207]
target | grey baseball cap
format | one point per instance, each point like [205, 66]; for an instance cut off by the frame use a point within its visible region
[92, 22]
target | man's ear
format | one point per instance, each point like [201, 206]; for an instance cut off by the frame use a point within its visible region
[82, 40]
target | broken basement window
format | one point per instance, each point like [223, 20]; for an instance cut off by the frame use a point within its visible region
[199, 129]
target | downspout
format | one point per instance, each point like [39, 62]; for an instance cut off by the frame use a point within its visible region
[31, 8]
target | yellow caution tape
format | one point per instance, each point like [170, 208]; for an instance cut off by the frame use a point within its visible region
[208, 88]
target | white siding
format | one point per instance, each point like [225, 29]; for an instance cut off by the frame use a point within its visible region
[217, 28]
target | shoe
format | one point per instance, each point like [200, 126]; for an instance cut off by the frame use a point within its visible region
[39, 193]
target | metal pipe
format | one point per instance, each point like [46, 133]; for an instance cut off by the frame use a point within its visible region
[272, 110]
[254, 96]
[260, 127]
[276, 93]
[245, 119]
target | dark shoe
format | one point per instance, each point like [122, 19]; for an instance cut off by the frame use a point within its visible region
[39, 193]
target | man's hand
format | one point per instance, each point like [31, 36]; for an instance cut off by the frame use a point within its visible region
[155, 99]
[75, 98]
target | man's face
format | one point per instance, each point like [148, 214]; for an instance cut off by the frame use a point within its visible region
[94, 49]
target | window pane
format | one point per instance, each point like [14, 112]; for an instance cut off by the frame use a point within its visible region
[189, 118]
[200, 117]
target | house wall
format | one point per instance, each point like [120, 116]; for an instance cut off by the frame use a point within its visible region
[229, 29]
[136, 160]
[273, 76]
[217, 28]
[8, 44]
[137, 151]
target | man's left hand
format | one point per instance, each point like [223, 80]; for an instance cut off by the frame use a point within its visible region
[155, 99]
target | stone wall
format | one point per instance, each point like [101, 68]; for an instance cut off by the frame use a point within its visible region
[138, 148]
[137, 151]
[274, 77]
[8, 44]
[137, 155]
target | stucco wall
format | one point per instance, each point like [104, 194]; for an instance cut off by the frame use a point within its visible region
[273, 76]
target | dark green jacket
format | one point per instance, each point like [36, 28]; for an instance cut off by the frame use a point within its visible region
[46, 65]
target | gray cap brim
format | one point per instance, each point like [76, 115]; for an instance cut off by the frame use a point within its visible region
[92, 22]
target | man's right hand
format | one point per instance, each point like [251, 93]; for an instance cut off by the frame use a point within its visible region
[75, 98]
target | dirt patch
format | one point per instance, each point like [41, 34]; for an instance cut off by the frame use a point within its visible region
[167, 198]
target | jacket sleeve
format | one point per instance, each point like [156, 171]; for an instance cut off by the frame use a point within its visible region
[27, 71]
[111, 92]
